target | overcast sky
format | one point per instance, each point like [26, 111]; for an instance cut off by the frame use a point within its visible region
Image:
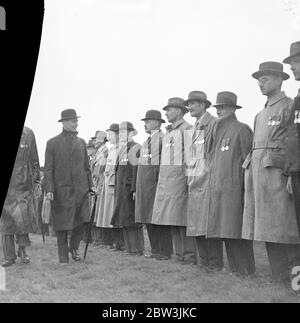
[112, 60]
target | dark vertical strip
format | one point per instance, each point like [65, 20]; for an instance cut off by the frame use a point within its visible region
[20, 43]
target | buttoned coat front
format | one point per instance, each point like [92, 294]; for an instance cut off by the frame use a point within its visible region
[147, 178]
[232, 141]
[170, 204]
[68, 176]
[198, 175]
[269, 212]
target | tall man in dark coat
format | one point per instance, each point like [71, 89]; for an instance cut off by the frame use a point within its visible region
[232, 141]
[18, 214]
[293, 142]
[125, 188]
[68, 181]
[147, 177]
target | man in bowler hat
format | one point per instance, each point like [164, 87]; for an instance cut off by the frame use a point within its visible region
[147, 177]
[209, 251]
[68, 181]
[269, 212]
[293, 138]
[232, 141]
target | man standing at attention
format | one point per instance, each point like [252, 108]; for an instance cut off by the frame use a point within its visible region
[68, 181]
[170, 204]
[269, 212]
[210, 251]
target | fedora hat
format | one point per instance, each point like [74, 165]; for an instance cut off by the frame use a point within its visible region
[176, 103]
[226, 98]
[68, 114]
[270, 68]
[101, 135]
[198, 96]
[153, 115]
[294, 51]
[113, 127]
[126, 125]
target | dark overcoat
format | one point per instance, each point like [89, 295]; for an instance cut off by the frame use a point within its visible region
[68, 176]
[147, 178]
[232, 141]
[18, 214]
[126, 172]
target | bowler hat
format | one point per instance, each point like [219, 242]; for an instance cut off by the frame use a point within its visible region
[153, 115]
[126, 125]
[176, 103]
[113, 127]
[294, 51]
[198, 96]
[90, 144]
[227, 98]
[271, 68]
[68, 114]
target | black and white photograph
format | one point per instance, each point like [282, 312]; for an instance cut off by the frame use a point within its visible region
[158, 157]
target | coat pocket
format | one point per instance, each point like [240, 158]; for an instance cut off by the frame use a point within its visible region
[274, 159]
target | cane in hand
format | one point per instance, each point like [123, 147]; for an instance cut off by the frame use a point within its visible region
[90, 224]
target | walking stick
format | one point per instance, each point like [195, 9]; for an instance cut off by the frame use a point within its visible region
[89, 227]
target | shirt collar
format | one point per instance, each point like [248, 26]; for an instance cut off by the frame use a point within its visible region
[154, 133]
[276, 99]
[177, 123]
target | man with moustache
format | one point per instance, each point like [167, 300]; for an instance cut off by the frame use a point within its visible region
[170, 204]
[232, 141]
[147, 176]
[269, 212]
[68, 181]
[209, 250]
[293, 141]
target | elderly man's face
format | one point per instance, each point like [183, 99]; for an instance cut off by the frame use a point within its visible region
[173, 114]
[269, 83]
[70, 125]
[197, 109]
[151, 125]
[112, 137]
[295, 67]
[225, 111]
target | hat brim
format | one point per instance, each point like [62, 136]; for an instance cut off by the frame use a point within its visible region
[290, 58]
[161, 120]
[129, 129]
[113, 130]
[227, 104]
[65, 119]
[201, 101]
[259, 74]
[176, 106]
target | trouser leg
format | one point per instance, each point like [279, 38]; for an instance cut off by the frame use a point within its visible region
[202, 250]
[22, 240]
[215, 253]
[296, 192]
[107, 236]
[8, 246]
[184, 247]
[76, 237]
[165, 244]
[278, 260]
[62, 246]
[134, 239]
[153, 234]
[118, 235]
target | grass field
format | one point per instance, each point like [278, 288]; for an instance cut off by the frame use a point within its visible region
[114, 277]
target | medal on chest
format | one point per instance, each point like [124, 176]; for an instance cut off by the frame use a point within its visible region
[297, 117]
[225, 145]
[274, 121]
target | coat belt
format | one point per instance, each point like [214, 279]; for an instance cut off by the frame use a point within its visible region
[268, 145]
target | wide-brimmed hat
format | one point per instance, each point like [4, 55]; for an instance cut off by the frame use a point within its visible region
[113, 127]
[126, 125]
[227, 98]
[101, 135]
[153, 115]
[198, 96]
[176, 103]
[68, 114]
[271, 68]
[294, 51]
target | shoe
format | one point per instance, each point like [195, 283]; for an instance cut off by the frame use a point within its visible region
[150, 256]
[7, 263]
[162, 257]
[24, 257]
[75, 255]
